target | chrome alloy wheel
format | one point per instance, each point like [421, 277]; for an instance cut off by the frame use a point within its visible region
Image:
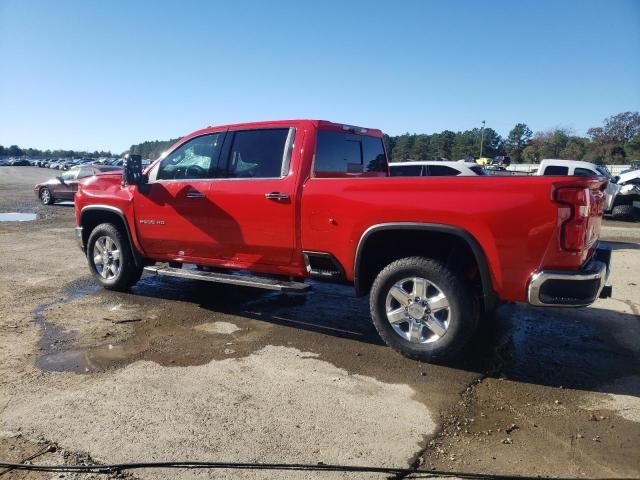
[418, 310]
[106, 257]
[45, 196]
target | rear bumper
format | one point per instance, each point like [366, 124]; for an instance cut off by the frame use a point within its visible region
[556, 288]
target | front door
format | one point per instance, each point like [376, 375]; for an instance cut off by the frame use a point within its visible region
[254, 198]
[172, 211]
[68, 185]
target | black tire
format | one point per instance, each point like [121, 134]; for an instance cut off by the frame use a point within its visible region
[462, 313]
[623, 212]
[120, 275]
[46, 197]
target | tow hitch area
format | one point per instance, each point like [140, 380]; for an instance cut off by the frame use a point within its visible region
[573, 289]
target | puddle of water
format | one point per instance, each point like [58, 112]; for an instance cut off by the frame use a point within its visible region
[54, 335]
[17, 217]
[85, 361]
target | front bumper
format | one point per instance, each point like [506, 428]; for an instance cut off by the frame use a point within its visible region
[80, 238]
[557, 288]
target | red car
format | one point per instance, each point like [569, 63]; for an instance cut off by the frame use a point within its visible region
[65, 186]
[290, 200]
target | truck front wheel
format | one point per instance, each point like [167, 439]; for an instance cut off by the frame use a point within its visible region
[422, 309]
[110, 258]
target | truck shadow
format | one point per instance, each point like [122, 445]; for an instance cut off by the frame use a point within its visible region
[592, 349]
[623, 245]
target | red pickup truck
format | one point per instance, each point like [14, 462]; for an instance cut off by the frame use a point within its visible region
[271, 204]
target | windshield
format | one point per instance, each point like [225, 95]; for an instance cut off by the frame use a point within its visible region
[604, 171]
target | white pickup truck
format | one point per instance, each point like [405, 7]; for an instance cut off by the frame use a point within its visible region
[622, 194]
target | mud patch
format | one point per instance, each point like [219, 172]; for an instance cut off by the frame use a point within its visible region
[53, 336]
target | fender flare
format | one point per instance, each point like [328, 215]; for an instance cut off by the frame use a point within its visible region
[137, 256]
[489, 295]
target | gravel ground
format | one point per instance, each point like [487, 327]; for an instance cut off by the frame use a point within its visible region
[182, 370]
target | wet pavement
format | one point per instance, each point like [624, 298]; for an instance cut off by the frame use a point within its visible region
[561, 385]
[17, 217]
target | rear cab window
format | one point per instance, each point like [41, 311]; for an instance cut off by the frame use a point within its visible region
[348, 154]
[585, 172]
[556, 170]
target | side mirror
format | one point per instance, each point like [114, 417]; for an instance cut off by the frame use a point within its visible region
[60, 179]
[132, 174]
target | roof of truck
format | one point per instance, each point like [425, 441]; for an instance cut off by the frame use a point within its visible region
[325, 124]
[567, 163]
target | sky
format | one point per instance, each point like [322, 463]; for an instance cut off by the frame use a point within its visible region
[104, 75]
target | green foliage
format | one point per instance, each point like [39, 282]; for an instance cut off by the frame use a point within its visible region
[152, 149]
[632, 149]
[517, 141]
[616, 141]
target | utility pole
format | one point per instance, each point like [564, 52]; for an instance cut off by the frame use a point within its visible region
[482, 138]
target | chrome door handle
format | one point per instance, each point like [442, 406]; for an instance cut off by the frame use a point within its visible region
[276, 196]
[194, 195]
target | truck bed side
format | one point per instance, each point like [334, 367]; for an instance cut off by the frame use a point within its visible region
[513, 219]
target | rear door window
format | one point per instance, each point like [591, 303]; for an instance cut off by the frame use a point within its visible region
[406, 171]
[442, 171]
[478, 170]
[341, 154]
[585, 172]
[257, 153]
[556, 170]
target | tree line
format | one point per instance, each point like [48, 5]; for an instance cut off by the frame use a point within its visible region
[152, 149]
[617, 141]
[16, 151]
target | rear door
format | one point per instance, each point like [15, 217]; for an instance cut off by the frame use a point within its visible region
[172, 212]
[254, 198]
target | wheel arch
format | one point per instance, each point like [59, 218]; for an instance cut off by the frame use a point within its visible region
[93, 215]
[363, 280]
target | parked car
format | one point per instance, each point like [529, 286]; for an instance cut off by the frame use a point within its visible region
[290, 200]
[20, 162]
[64, 186]
[619, 202]
[434, 169]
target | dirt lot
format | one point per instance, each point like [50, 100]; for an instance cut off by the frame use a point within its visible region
[182, 370]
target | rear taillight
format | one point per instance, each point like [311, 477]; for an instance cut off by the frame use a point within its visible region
[573, 217]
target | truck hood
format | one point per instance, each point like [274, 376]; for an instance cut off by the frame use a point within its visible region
[102, 182]
[626, 177]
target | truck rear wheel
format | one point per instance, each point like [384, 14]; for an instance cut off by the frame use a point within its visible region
[422, 309]
[110, 258]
